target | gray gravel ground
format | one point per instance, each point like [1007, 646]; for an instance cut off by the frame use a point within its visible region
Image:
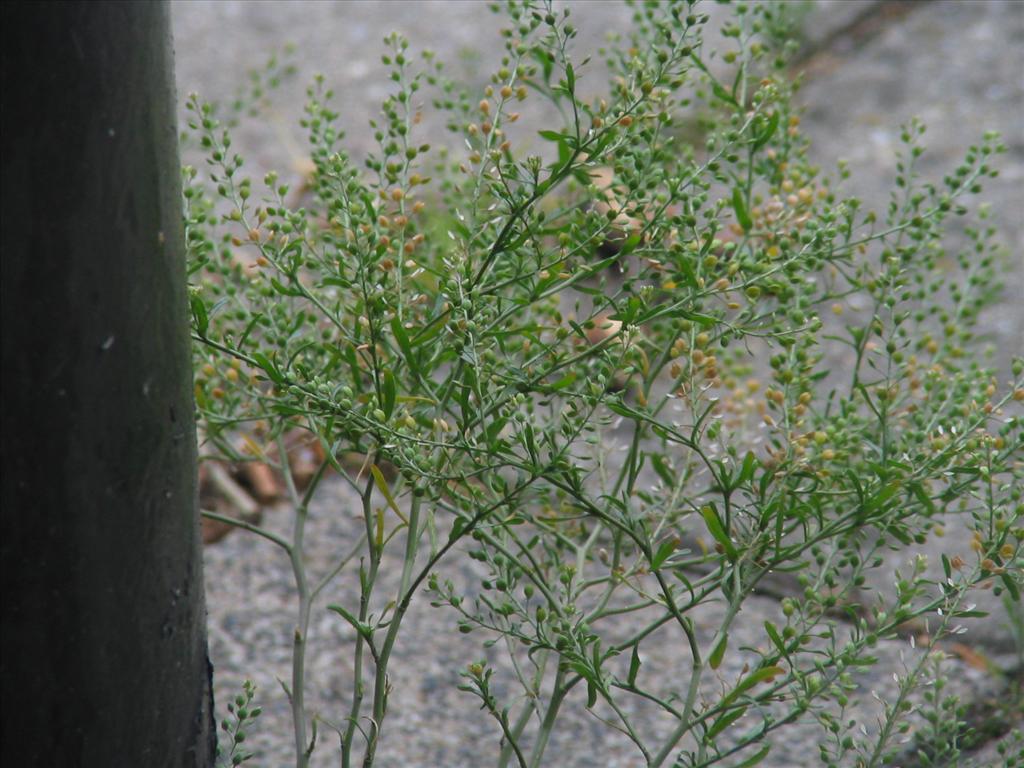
[959, 65]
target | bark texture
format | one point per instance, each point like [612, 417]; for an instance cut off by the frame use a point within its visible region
[104, 646]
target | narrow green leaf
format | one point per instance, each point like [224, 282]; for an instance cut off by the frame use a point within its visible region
[766, 133]
[554, 136]
[387, 386]
[737, 80]
[432, 534]
[1011, 586]
[676, 311]
[658, 462]
[634, 666]
[725, 721]
[382, 486]
[688, 273]
[402, 338]
[621, 409]
[756, 758]
[973, 471]
[699, 423]
[428, 332]
[268, 367]
[457, 528]
[629, 244]
[256, 318]
[465, 390]
[867, 399]
[199, 315]
[715, 659]
[578, 329]
[529, 442]
[357, 625]
[582, 177]
[495, 427]
[547, 62]
[341, 283]
[969, 614]
[717, 531]
[721, 92]
[863, 661]
[747, 470]
[565, 381]
[667, 547]
[899, 534]
[580, 669]
[918, 490]
[592, 269]
[724, 477]
[626, 314]
[758, 676]
[283, 289]
[881, 497]
[564, 154]
[740, 207]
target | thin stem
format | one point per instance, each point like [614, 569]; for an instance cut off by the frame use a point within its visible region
[365, 587]
[558, 693]
[380, 684]
[528, 709]
[273, 537]
[329, 576]
[305, 604]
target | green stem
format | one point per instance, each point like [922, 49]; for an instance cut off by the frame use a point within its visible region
[365, 589]
[380, 683]
[524, 717]
[273, 537]
[558, 693]
[302, 626]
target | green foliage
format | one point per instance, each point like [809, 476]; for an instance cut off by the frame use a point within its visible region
[241, 716]
[607, 371]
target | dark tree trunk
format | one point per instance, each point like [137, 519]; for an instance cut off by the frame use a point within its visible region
[104, 646]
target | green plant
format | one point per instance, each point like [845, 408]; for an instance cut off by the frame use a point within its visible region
[241, 716]
[1009, 752]
[1015, 623]
[656, 441]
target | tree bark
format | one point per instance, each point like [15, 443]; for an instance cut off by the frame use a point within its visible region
[104, 644]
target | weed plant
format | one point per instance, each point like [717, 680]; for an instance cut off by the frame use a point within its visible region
[638, 374]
